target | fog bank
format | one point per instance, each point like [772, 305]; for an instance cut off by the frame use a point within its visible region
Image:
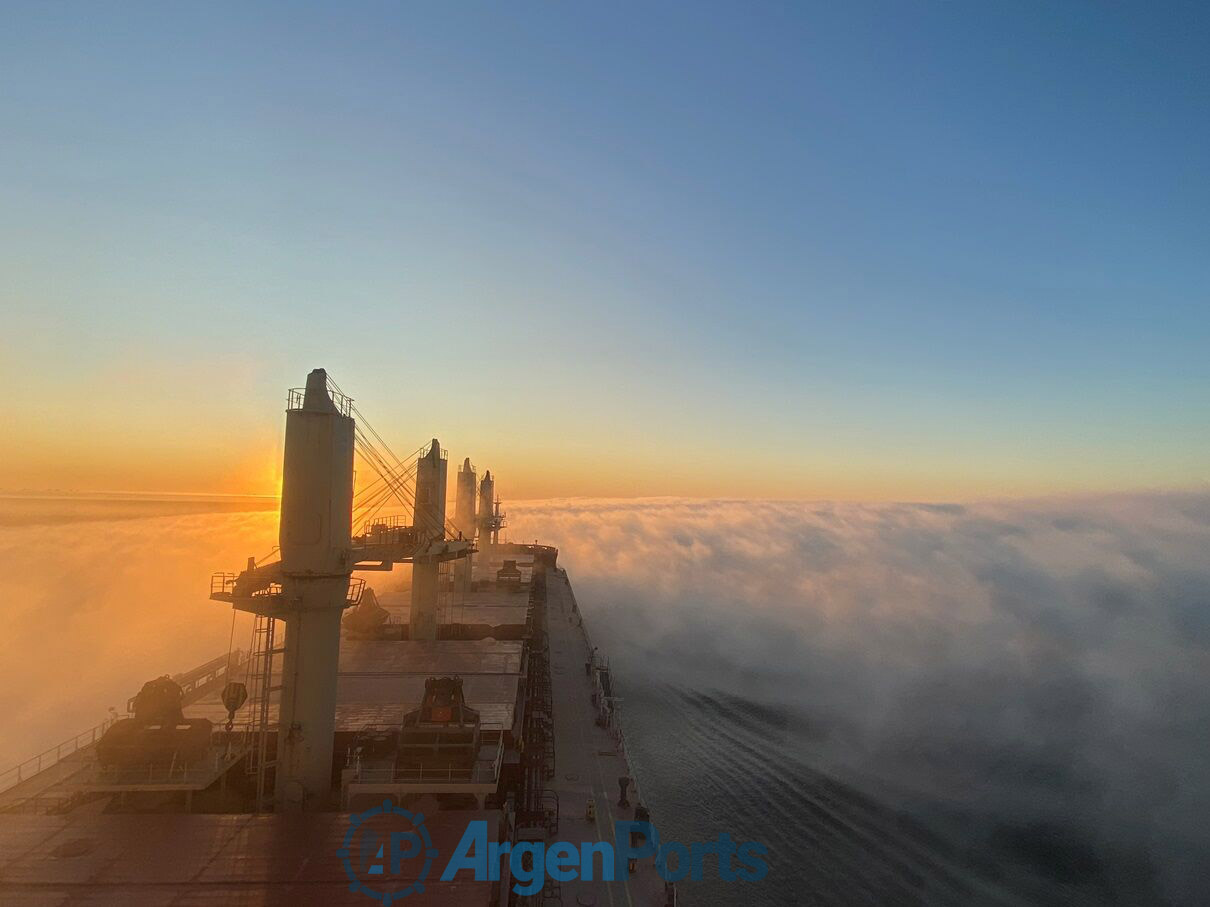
[1012, 672]
[1035, 672]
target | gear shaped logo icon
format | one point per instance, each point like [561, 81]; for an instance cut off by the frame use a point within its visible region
[382, 850]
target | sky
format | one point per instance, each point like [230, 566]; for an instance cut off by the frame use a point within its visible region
[865, 251]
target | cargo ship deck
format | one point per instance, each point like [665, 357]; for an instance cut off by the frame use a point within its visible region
[61, 843]
[264, 776]
[591, 754]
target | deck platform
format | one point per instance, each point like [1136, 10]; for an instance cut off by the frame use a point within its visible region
[588, 760]
[176, 860]
[380, 681]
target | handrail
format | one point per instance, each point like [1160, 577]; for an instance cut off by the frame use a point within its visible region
[223, 587]
[385, 530]
[473, 775]
[225, 584]
[191, 681]
[222, 583]
[297, 395]
[173, 773]
[393, 521]
[203, 676]
[34, 765]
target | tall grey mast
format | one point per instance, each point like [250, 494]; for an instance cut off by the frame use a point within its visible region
[312, 583]
[464, 522]
[429, 520]
[315, 536]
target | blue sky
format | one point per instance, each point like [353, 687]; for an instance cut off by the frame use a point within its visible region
[858, 250]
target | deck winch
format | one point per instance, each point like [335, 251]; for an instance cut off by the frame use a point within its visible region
[443, 733]
[159, 732]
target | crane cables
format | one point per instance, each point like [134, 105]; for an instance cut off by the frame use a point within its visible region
[395, 478]
[392, 485]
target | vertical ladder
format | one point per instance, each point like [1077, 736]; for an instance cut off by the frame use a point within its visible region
[263, 650]
[449, 601]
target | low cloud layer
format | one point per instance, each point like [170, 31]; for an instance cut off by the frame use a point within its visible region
[996, 667]
[94, 607]
[1006, 667]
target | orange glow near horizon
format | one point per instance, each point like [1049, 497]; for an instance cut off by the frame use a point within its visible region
[175, 436]
[156, 428]
[217, 468]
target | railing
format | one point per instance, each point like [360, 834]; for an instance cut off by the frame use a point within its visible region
[43, 804]
[421, 774]
[388, 531]
[209, 673]
[296, 396]
[222, 583]
[193, 681]
[615, 727]
[476, 774]
[34, 765]
[173, 774]
[202, 677]
[223, 586]
[385, 522]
